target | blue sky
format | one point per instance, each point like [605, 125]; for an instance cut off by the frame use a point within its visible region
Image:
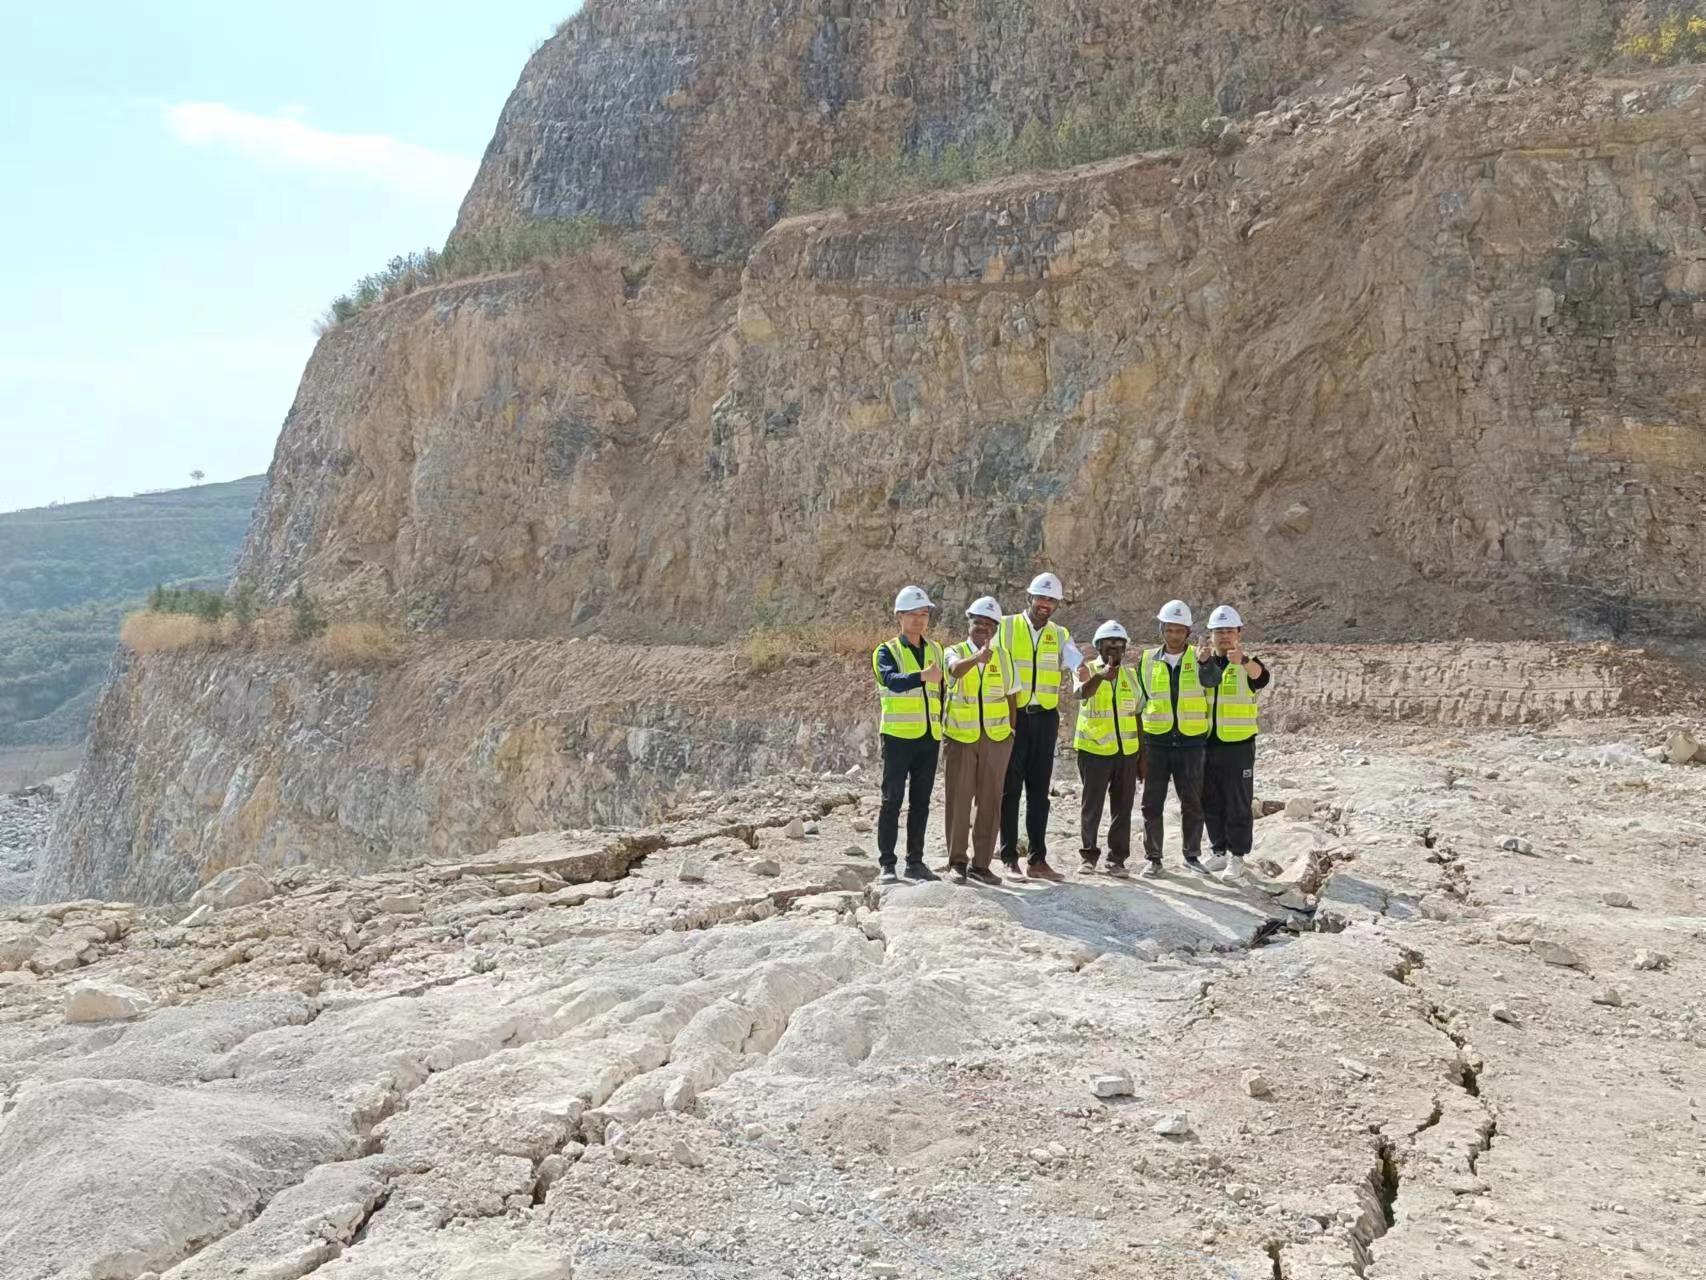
[189, 183]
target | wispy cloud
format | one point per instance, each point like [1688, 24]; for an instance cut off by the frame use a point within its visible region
[284, 139]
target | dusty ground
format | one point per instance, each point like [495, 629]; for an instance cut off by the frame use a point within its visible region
[487, 1070]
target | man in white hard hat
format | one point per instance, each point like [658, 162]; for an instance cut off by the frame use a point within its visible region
[1110, 747]
[1229, 763]
[1040, 649]
[908, 671]
[977, 738]
[1175, 728]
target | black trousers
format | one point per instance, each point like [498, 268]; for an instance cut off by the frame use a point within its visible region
[1228, 790]
[1106, 778]
[1183, 767]
[1029, 769]
[906, 761]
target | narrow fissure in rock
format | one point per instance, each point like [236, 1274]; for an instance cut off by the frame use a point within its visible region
[1273, 1248]
[1434, 1117]
[1468, 1076]
[1489, 1131]
[1387, 1183]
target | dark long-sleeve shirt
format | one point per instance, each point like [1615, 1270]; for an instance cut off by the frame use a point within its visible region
[1210, 673]
[895, 680]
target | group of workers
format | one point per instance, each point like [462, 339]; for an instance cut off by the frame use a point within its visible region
[990, 707]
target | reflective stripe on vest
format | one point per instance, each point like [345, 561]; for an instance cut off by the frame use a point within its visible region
[917, 711]
[1234, 706]
[1036, 676]
[977, 701]
[1104, 730]
[1158, 691]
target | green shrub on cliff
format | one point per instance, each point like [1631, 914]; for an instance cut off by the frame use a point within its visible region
[1679, 36]
[1098, 130]
[210, 606]
[494, 249]
[306, 618]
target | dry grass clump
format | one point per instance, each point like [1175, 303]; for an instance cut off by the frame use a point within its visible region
[357, 644]
[149, 632]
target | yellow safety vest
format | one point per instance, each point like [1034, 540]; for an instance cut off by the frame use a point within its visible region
[1158, 705]
[917, 711]
[1234, 706]
[1036, 675]
[1107, 719]
[977, 701]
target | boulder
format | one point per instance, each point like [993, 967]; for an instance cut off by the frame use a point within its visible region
[1518, 931]
[1557, 953]
[1115, 1084]
[795, 830]
[1256, 1085]
[103, 1000]
[1300, 807]
[1681, 748]
[236, 887]
[1176, 1125]
[766, 867]
[1617, 898]
[401, 904]
[1646, 958]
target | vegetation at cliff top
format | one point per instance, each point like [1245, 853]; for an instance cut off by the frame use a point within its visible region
[479, 253]
[68, 574]
[1099, 131]
[1679, 36]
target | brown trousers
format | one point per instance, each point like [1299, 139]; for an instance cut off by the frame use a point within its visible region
[977, 772]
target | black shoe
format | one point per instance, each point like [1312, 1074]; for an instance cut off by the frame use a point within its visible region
[982, 875]
[888, 876]
[1086, 866]
[957, 872]
[1040, 870]
[1195, 864]
[1117, 871]
[919, 872]
[1012, 868]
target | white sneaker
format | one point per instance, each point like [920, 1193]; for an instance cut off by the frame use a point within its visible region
[1151, 870]
[1234, 872]
[1215, 862]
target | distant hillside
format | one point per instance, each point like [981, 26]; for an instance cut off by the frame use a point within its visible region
[119, 547]
[68, 574]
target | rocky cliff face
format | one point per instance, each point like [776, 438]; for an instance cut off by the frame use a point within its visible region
[1419, 359]
[1430, 371]
[696, 117]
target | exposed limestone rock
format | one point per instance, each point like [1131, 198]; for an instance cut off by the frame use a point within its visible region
[1553, 952]
[102, 1000]
[237, 887]
[633, 1064]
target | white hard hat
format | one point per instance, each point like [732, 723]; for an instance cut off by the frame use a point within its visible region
[1224, 616]
[1110, 630]
[1046, 584]
[1175, 611]
[984, 607]
[911, 598]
